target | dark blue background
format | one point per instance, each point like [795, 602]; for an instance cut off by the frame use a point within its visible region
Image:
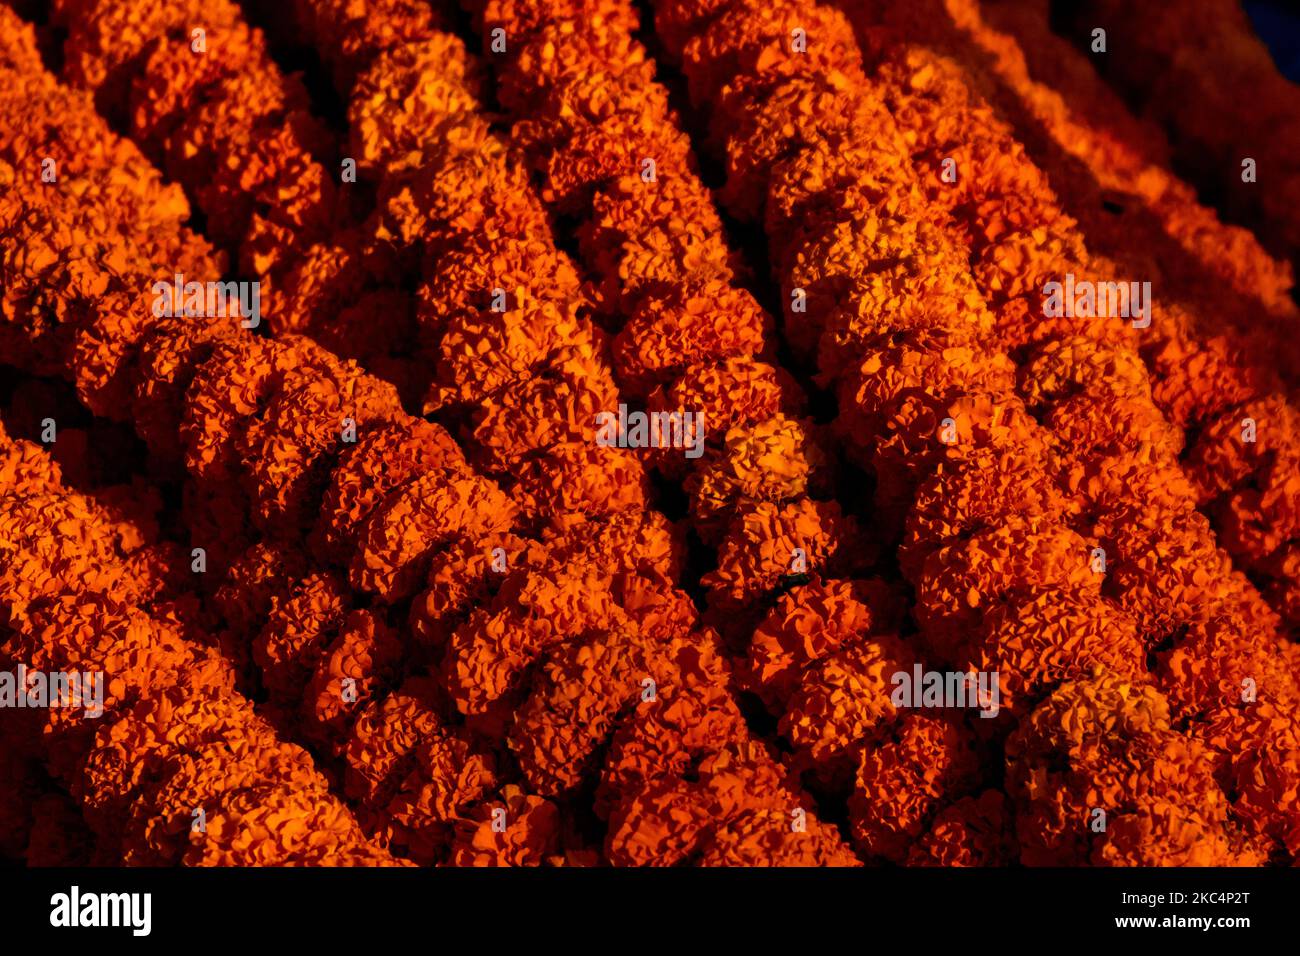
[1278, 24]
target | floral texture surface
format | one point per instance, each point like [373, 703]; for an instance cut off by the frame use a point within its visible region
[647, 433]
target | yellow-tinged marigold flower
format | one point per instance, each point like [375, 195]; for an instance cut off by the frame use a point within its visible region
[776, 460]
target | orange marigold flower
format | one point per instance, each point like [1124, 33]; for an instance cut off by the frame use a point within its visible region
[300, 626]
[533, 611]
[385, 456]
[737, 806]
[379, 747]
[775, 460]
[447, 777]
[1266, 784]
[961, 582]
[692, 716]
[395, 542]
[769, 544]
[576, 700]
[580, 476]
[974, 831]
[1049, 637]
[903, 781]
[281, 825]
[687, 325]
[845, 699]
[1104, 744]
[811, 622]
[518, 830]
[364, 659]
[418, 92]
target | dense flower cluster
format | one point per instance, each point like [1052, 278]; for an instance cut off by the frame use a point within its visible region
[367, 584]
[172, 741]
[1023, 449]
[1210, 46]
[1208, 376]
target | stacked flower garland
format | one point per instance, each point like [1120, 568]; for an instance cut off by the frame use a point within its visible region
[378, 592]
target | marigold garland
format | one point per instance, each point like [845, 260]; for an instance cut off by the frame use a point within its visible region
[364, 585]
